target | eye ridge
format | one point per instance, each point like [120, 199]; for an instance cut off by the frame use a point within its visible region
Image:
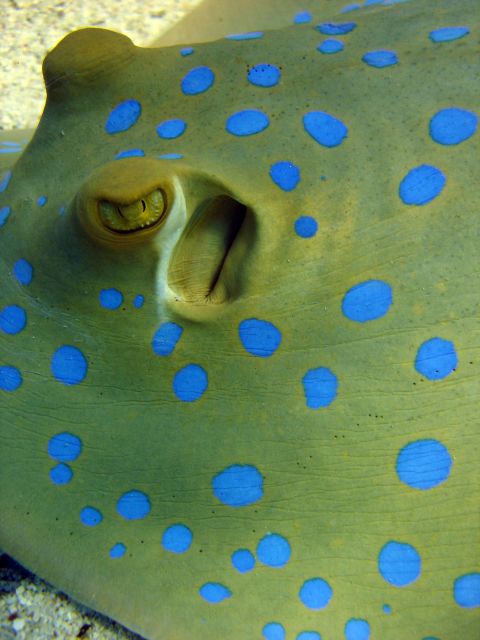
[134, 217]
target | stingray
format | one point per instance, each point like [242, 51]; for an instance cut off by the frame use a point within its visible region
[239, 325]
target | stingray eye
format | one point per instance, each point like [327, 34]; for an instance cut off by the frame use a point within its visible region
[128, 218]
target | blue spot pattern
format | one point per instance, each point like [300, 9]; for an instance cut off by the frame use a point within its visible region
[274, 550]
[68, 365]
[42, 201]
[331, 46]
[308, 635]
[10, 378]
[5, 180]
[238, 485]
[133, 505]
[123, 116]
[423, 464]
[259, 337]
[380, 58]
[264, 75]
[111, 298]
[446, 34]
[315, 593]
[214, 592]
[130, 153]
[170, 129]
[90, 517]
[186, 51]
[138, 301]
[23, 271]
[273, 631]
[357, 629]
[177, 538]
[325, 128]
[64, 447]
[387, 609]
[367, 301]
[250, 35]
[4, 214]
[190, 383]
[61, 474]
[466, 590]
[118, 550]
[320, 387]
[421, 185]
[453, 125]
[285, 175]
[331, 29]
[13, 319]
[247, 122]
[436, 358]
[399, 563]
[166, 338]
[306, 226]
[243, 560]
[197, 80]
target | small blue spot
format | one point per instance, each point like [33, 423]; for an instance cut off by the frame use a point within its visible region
[306, 226]
[197, 80]
[330, 29]
[331, 46]
[62, 210]
[247, 122]
[436, 359]
[466, 590]
[4, 214]
[190, 383]
[370, 2]
[61, 474]
[23, 271]
[123, 116]
[445, 34]
[69, 366]
[380, 58]
[170, 129]
[138, 301]
[423, 464]
[452, 126]
[177, 538]
[308, 635]
[42, 200]
[367, 301]
[274, 550]
[259, 337]
[251, 35]
[324, 128]
[273, 631]
[387, 609]
[264, 75]
[64, 447]
[399, 563]
[214, 592]
[13, 319]
[110, 298]
[285, 175]
[10, 378]
[133, 505]
[315, 593]
[350, 7]
[243, 560]
[320, 387]
[357, 629]
[4, 181]
[186, 51]
[165, 338]
[118, 550]
[238, 485]
[90, 516]
[421, 185]
[130, 153]
[170, 156]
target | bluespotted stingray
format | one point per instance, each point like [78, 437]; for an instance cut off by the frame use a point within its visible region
[240, 328]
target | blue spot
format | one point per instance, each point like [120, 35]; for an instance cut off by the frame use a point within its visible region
[62, 210]
[61, 474]
[10, 378]
[380, 58]
[421, 185]
[320, 387]
[90, 516]
[445, 34]
[186, 51]
[110, 298]
[302, 17]
[315, 593]
[138, 301]
[274, 550]
[369, 2]
[197, 80]
[247, 122]
[331, 46]
[285, 175]
[306, 226]
[12, 319]
[251, 35]
[190, 383]
[273, 631]
[5, 180]
[357, 629]
[243, 560]
[367, 301]
[123, 116]
[4, 214]
[170, 156]
[259, 337]
[23, 271]
[436, 359]
[308, 635]
[387, 609]
[466, 590]
[330, 29]
[423, 464]
[350, 7]
[170, 129]
[133, 505]
[165, 338]
[177, 538]
[264, 75]
[238, 485]
[69, 365]
[324, 128]
[64, 447]
[130, 153]
[214, 592]
[42, 200]
[399, 563]
[452, 126]
[118, 550]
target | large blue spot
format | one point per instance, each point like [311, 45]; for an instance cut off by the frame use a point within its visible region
[247, 122]
[238, 485]
[69, 366]
[285, 175]
[243, 560]
[357, 629]
[64, 447]
[421, 185]
[23, 271]
[5, 180]
[165, 338]
[61, 474]
[197, 80]
[90, 516]
[273, 631]
[306, 226]
[123, 116]
[264, 75]
[10, 378]
[214, 592]
[190, 383]
[399, 563]
[315, 593]
[110, 298]
[13, 319]
[308, 635]
[445, 34]
[302, 17]
[274, 550]
[423, 464]
[169, 129]
[118, 550]
[452, 126]
[259, 337]
[436, 359]
[366, 301]
[133, 505]
[250, 35]
[177, 538]
[324, 128]
[331, 29]
[4, 214]
[320, 387]
[380, 58]
[466, 590]
[331, 46]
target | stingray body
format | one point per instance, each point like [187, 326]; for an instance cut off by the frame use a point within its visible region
[239, 329]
